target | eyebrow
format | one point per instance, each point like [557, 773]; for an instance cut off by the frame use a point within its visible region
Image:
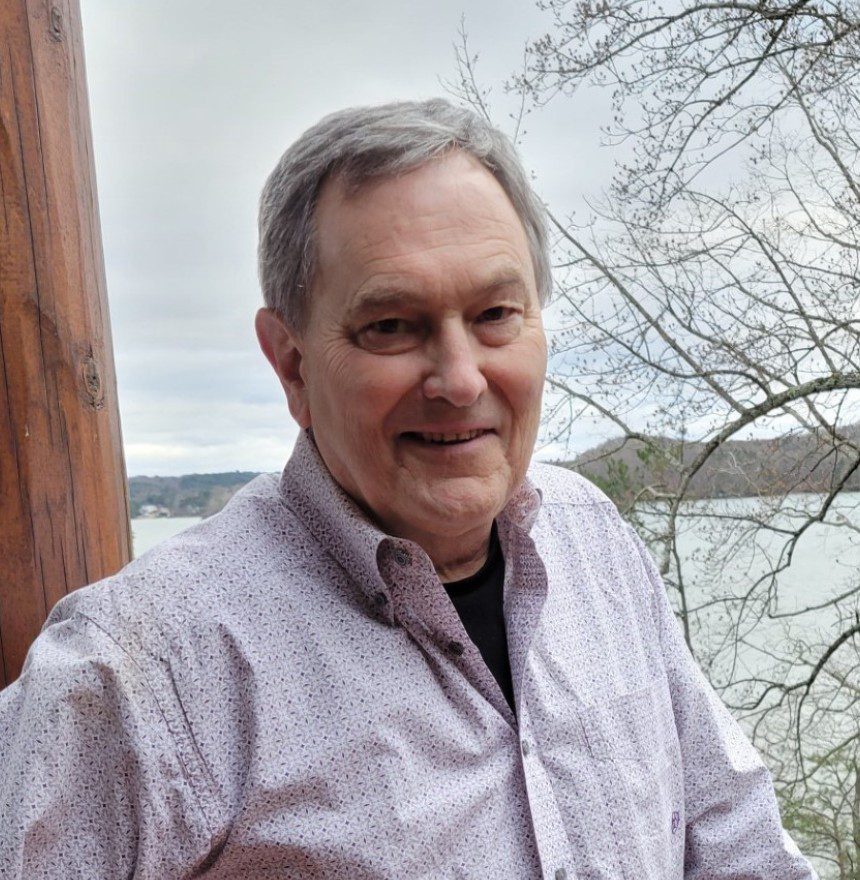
[381, 298]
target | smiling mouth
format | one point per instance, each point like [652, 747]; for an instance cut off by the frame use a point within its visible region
[444, 439]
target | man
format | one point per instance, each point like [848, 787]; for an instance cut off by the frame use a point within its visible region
[405, 658]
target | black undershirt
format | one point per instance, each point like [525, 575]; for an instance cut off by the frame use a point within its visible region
[479, 602]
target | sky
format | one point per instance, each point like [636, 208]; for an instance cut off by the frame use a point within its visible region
[192, 103]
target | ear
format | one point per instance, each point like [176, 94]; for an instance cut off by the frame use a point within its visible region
[284, 349]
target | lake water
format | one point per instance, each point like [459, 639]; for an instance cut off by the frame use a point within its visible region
[146, 533]
[727, 551]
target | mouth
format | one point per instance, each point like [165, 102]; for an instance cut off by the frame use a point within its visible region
[447, 438]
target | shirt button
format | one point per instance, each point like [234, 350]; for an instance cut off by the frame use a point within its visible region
[561, 874]
[380, 599]
[456, 648]
[526, 747]
[401, 557]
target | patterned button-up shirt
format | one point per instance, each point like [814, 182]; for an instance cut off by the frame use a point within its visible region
[284, 691]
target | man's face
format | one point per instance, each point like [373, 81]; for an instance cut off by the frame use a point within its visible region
[424, 356]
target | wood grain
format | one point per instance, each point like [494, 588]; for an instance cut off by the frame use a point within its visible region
[63, 498]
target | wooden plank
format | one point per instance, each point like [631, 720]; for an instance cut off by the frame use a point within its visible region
[63, 496]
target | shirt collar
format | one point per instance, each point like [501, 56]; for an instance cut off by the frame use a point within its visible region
[334, 519]
[523, 508]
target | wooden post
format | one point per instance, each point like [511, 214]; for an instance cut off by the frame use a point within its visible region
[63, 497]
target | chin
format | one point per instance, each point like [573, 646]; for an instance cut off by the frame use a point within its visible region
[457, 508]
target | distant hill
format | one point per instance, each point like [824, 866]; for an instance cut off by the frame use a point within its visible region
[800, 462]
[190, 495]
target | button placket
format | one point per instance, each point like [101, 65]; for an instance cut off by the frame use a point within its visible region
[550, 833]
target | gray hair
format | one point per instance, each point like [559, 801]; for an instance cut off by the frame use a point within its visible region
[361, 143]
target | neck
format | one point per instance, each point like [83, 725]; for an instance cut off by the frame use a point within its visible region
[458, 557]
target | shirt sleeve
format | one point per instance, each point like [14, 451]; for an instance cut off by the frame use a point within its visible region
[91, 784]
[733, 827]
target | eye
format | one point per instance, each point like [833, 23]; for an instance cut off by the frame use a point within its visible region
[499, 325]
[387, 326]
[495, 314]
[388, 335]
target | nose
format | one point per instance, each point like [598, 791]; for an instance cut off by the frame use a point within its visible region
[455, 372]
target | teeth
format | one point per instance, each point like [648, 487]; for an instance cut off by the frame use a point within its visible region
[449, 438]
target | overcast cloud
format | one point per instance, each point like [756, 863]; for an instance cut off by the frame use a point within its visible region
[192, 104]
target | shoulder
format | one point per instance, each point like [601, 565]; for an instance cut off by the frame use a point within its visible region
[145, 644]
[84, 724]
[576, 517]
[561, 485]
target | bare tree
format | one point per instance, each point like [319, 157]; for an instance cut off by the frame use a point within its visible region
[714, 297]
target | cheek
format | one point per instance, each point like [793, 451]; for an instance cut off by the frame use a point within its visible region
[362, 390]
[521, 386]
[533, 373]
[521, 380]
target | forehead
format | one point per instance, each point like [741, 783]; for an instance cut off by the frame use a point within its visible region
[447, 221]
